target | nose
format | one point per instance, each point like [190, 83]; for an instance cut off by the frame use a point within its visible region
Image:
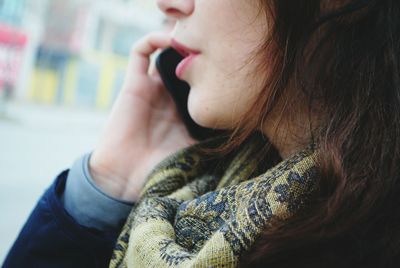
[176, 8]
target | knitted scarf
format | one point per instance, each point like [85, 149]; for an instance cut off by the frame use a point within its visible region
[196, 212]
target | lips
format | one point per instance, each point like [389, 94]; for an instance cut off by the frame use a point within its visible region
[188, 55]
[183, 50]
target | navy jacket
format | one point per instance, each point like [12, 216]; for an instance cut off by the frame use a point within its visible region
[52, 238]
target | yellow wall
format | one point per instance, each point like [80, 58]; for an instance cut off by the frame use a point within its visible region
[71, 77]
[45, 82]
[44, 86]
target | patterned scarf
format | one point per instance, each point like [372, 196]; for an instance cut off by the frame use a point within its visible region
[196, 212]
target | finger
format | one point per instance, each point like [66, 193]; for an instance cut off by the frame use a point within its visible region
[152, 67]
[140, 55]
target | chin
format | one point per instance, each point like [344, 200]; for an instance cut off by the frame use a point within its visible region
[201, 114]
[206, 111]
[207, 117]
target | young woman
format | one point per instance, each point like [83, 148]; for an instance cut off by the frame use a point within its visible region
[308, 177]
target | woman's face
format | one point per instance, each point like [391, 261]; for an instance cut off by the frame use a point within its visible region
[226, 34]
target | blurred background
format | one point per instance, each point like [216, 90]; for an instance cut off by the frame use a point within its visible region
[61, 67]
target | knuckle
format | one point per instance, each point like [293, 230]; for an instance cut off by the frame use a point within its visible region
[133, 50]
[137, 46]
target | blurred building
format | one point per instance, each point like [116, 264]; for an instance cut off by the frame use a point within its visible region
[73, 52]
[84, 50]
[13, 40]
[11, 11]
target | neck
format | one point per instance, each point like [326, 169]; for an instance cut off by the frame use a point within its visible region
[287, 138]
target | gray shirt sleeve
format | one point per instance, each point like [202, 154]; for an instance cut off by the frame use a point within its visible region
[88, 204]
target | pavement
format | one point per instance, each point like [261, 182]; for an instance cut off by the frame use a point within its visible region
[36, 143]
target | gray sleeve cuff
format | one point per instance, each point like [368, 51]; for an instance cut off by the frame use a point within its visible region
[88, 204]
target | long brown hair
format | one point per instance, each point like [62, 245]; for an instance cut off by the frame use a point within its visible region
[344, 56]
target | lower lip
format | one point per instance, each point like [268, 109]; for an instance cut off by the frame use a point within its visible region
[184, 64]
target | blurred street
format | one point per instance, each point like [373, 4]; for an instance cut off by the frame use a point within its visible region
[36, 143]
[62, 65]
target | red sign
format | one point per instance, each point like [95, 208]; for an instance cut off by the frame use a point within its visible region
[12, 36]
[12, 44]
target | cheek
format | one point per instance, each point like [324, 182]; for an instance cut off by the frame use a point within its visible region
[220, 92]
[205, 105]
[219, 103]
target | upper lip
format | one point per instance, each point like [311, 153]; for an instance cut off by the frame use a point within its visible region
[182, 49]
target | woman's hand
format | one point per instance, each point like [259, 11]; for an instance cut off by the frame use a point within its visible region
[143, 127]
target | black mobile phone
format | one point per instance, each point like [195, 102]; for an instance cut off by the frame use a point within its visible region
[166, 63]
